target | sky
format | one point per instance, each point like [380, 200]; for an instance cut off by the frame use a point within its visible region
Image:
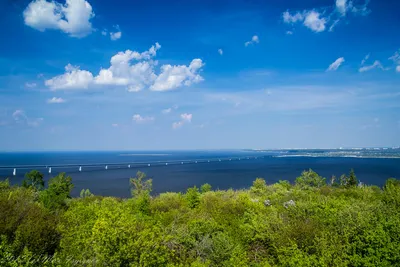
[199, 74]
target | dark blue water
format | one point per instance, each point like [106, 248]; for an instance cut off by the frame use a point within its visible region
[222, 174]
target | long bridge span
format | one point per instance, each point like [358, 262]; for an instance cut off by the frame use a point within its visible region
[14, 169]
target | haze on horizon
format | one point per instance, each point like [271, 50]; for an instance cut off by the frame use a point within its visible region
[213, 74]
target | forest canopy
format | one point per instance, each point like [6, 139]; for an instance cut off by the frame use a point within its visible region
[313, 222]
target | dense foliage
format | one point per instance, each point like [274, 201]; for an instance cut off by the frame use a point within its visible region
[309, 223]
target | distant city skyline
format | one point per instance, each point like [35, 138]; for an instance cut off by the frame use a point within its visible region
[89, 75]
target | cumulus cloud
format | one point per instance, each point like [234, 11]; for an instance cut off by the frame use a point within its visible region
[56, 100]
[72, 18]
[335, 65]
[140, 119]
[314, 22]
[220, 52]
[185, 118]
[133, 76]
[20, 117]
[341, 6]
[311, 19]
[73, 78]
[377, 64]
[254, 40]
[172, 77]
[30, 85]
[289, 32]
[398, 69]
[117, 34]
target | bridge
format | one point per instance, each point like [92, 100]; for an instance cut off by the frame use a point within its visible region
[119, 165]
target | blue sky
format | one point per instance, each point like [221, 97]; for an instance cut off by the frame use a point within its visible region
[133, 75]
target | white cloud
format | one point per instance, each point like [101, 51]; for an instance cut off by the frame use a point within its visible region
[289, 32]
[104, 32]
[220, 51]
[185, 118]
[365, 59]
[341, 6]
[254, 40]
[30, 85]
[139, 119]
[172, 77]
[335, 65]
[311, 19]
[114, 125]
[133, 76]
[398, 68]
[116, 35]
[21, 118]
[333, 25]
[72, 18]
[73, 78]
[55, 100]
[18, 114]
[314, 22]
[166, 111]
[376, 64]
[176, 125]
[396, 57]
[319, 19]
[288, 18]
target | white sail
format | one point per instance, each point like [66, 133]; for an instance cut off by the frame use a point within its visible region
[50, 170]
[106, 167]
[80, 168]
[15, 172]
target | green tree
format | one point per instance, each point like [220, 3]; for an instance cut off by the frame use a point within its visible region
[205, 188]
[33, 179]
[58, 191]
[310, 178]
[352, 180]
[85, 193]
[193, 197]
[259, 186]
[140, 184]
